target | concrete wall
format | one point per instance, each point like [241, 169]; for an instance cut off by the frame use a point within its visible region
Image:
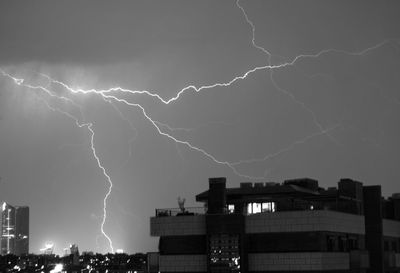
[391, 228]
[183, 263]
[285, 221]
[301, 261]
[311, 220]
[178, 225]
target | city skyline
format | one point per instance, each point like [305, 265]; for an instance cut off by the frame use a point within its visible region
[109, 110]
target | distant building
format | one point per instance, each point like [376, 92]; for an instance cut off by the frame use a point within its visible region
[14, 230]
[21, 230]
[74, 253]
[48, 248]
[294, 226]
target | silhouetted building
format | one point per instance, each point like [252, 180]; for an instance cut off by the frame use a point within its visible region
[294, 226]
[74, 253]
[14, 230]
[21, 230]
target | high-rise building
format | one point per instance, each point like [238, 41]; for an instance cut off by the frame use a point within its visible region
[7, 229]
[293, 226]
[14, 230]
[21, 230]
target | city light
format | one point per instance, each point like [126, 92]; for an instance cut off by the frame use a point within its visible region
[49, 245]
[48, 248]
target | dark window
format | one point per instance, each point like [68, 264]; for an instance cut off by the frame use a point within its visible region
[353, 243]
[331, 243]
[386, 246]
[394, 246]
[342, 244]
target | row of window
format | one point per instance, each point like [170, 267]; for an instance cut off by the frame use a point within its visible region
[390, 246]
[256, 207]
[341, 243]
[261, 207]
[224, 251]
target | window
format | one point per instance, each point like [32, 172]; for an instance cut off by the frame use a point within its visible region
[231, 208]
[394, 246]
[353, 243]
[261, 207]
[268, 207]
[249, 208]
[386, 246]
[256, 207]
[342, 244]
[331, 243]
[224, 253]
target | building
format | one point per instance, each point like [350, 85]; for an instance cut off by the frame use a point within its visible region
[294, 226]
[21, 230]
[14, 230]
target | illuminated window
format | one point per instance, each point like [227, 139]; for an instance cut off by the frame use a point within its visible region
[256, 207]
[231, 208]
[261, 207]
[249, 209]
[268, 207]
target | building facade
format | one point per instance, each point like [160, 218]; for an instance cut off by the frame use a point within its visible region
[14, 230]
[294, 226]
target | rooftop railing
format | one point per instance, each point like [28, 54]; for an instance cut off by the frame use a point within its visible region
[179, 212]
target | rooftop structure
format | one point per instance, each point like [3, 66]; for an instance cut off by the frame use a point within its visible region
[294, 226]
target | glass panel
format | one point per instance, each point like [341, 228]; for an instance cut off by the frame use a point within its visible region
[249, 209]
[256, 207]
[224, 253]
[268, 207]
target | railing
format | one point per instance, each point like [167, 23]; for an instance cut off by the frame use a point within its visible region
[202, 210]
[179, 212]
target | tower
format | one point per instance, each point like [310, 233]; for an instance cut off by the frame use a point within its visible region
[7, 229]
[14, 237]
[21, 230]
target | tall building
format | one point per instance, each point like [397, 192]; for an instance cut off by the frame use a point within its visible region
[14, 230]
[21, 230]
[7, 229]
[294, 226]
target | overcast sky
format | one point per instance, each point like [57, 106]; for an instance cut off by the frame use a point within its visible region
[330, 116]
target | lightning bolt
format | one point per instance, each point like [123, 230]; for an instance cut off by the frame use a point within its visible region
[89, 126]
[288, 148]
[110, 183]
[157, 125]
[111, 95]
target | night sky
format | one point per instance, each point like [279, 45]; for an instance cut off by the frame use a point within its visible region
[329, 107]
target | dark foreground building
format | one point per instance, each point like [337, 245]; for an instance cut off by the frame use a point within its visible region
[294, 226]
[14, 230]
